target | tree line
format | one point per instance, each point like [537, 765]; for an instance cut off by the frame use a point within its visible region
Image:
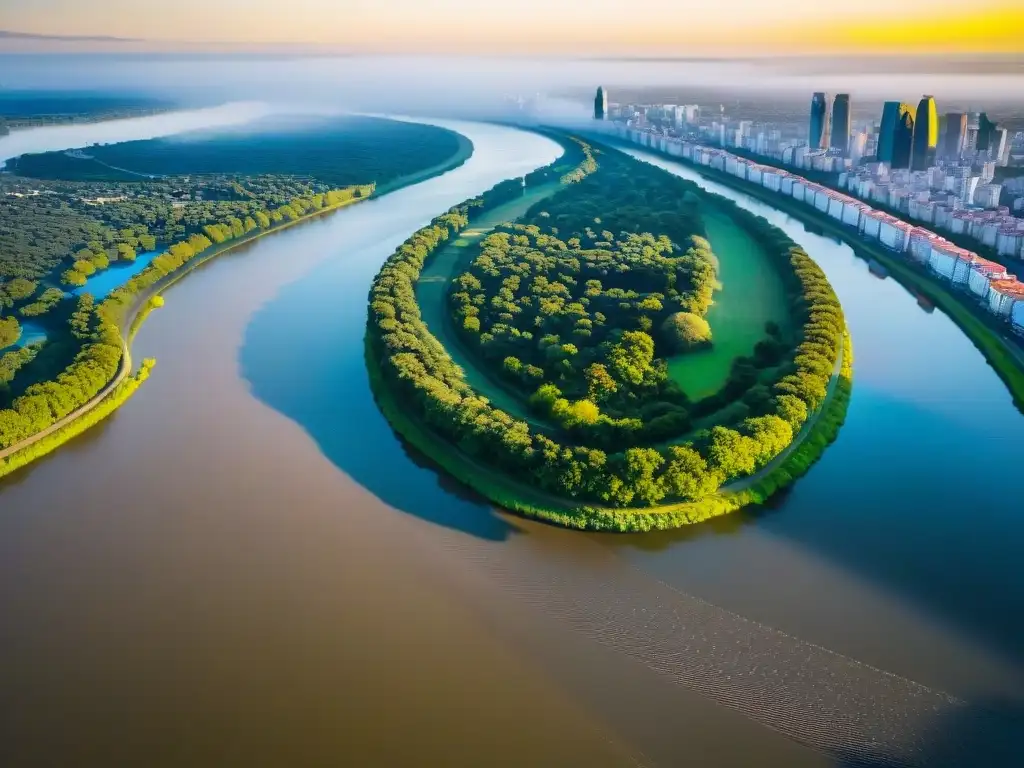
[97, 326]
[416, 366]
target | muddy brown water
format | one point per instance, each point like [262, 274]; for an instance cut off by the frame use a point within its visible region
[244, 566]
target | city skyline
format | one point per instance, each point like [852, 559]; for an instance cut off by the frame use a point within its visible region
[612, 27]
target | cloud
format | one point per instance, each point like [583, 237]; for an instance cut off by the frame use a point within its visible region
[6, 34]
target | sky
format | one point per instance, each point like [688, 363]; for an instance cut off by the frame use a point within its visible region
[526, 27]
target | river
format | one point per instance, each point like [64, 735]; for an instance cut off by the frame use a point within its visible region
[58, 137]
[245, 566]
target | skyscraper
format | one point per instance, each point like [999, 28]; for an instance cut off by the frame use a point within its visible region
[926, 135]
[903, 149]
[986, 132]
[896, 135]
[887, 131]
[841, 122]
[600, 104]
[954, 135]
[1000, 149]
[821, 126]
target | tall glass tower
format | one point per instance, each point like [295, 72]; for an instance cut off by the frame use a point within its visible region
[926, 135]
[887, 131]
[600, 104]
[821, 123]
[903, 140]
[896, 135]
[841, 122]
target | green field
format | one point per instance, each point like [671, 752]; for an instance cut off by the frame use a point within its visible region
[752, 293]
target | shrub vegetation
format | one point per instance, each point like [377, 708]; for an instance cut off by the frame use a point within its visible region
[685, 331]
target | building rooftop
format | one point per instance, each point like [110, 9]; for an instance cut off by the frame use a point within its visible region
[984, 265]
[1010, 287]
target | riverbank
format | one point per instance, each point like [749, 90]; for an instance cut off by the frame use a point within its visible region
[123, 385]
[817, 433]
[1005, 355]
[462, 154]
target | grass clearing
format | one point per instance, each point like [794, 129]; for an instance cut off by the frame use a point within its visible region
[751, 294]
[432, 295]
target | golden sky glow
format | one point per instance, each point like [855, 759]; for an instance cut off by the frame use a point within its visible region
[571, 27]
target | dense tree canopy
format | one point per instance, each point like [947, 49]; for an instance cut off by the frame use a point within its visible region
[78, 215]
[10, 331]
[572, 306]
[541, 271]
[684, 331]
[96, 328]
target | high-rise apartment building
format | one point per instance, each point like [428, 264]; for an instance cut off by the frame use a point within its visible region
[986, 133]
[600, 104]
[858, 146]
[954, 135]
[926, 135]
[896, 135]
[821, 125]
[841, 123]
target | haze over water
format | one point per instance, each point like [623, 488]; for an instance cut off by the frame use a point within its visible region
[248, 565]
[425, 83]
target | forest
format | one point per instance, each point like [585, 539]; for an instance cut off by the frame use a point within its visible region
[577, 324]
[96, 329]
[338, 151]
[420, 373]
[56, 234]
[28, 108]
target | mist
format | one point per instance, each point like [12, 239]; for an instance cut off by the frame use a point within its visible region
[482, 86]
[51, 138]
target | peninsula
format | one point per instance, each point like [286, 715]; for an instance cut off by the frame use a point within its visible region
[537, 342]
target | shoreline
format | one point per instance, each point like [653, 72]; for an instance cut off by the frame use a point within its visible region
[1004, 356]
[817, 433]
[65, 429]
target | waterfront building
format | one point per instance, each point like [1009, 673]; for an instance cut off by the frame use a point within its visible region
[841, 125]
[997, 291]
[820, 127]
[982, 274]
[921, 245]
[1003, 295]
[926, 134]
[601, 104]
[1017, 317]
[946, 260]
